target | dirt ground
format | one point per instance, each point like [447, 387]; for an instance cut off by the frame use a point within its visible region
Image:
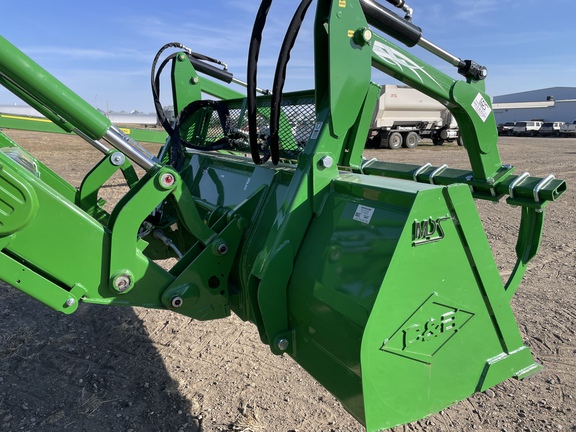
[136, 370]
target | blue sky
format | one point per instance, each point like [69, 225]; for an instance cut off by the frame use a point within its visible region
[103, 50]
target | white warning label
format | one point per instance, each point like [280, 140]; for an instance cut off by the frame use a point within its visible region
[481, 107]
[364, 214]
[316, 131]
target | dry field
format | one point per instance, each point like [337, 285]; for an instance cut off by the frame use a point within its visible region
[130, 369]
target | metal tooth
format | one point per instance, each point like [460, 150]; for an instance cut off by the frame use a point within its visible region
[541, 185]
[421, 170]
[436, 172]
[366, 163]
[517, 182]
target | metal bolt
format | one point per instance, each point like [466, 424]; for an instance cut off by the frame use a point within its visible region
[282, 344]
[222, 249]
[122, 282]
[167, 180]
[194, 80]
[70, 302]
[117, 159]
[177, 302]
[327, 161]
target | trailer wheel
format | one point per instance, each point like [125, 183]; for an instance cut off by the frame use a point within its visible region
[411, 140]
[395, 140]
[381, 140]
[437, 139]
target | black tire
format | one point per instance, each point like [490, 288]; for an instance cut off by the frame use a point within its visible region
[395, 140]
[373, 142]
[460, 142]
[411, 140]
[436, 139]
[376, 141]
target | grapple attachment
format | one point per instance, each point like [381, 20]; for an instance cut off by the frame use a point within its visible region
[377, 278]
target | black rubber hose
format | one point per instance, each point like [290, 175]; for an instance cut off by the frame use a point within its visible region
[223, 114]
[252, 71]
[155, 78]
[154, 83]
[398, 3]
[280, 77]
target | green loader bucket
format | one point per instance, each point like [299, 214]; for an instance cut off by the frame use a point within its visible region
[397, 304]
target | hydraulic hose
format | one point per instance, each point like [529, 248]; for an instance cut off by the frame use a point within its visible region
[280, 77]
[401, 4]
[252, 72]
[198, 61]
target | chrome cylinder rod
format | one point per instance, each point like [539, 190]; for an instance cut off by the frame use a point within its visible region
[130, 148]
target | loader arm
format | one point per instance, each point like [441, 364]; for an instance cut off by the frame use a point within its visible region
[315, 246]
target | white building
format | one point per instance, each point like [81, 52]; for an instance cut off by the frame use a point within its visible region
[121, 118]
[549, 104]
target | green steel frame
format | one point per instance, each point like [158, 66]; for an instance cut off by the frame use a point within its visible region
[318, 251]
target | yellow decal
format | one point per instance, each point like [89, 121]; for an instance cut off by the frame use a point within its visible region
[126, 131]
[342, 3]
[350, 33]
[36, 119]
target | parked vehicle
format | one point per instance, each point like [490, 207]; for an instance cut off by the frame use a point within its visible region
[404, 115]
[550, 128]
[527, 128]
[506, 128]
[568, 129]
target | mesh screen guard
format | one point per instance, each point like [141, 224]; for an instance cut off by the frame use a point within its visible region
[297, 120]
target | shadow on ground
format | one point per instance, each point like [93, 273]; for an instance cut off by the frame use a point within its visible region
[95, 370]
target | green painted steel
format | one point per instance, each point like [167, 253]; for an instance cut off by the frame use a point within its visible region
[377, 278]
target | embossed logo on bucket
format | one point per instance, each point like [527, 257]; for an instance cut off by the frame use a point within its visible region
[427, 330]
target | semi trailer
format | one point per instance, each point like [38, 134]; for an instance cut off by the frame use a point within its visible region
[403, 116]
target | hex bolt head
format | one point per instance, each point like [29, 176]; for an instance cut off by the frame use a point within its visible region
[70, 302]
[167, 180]
[283, 344]
[326, 161]
[176, 302]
